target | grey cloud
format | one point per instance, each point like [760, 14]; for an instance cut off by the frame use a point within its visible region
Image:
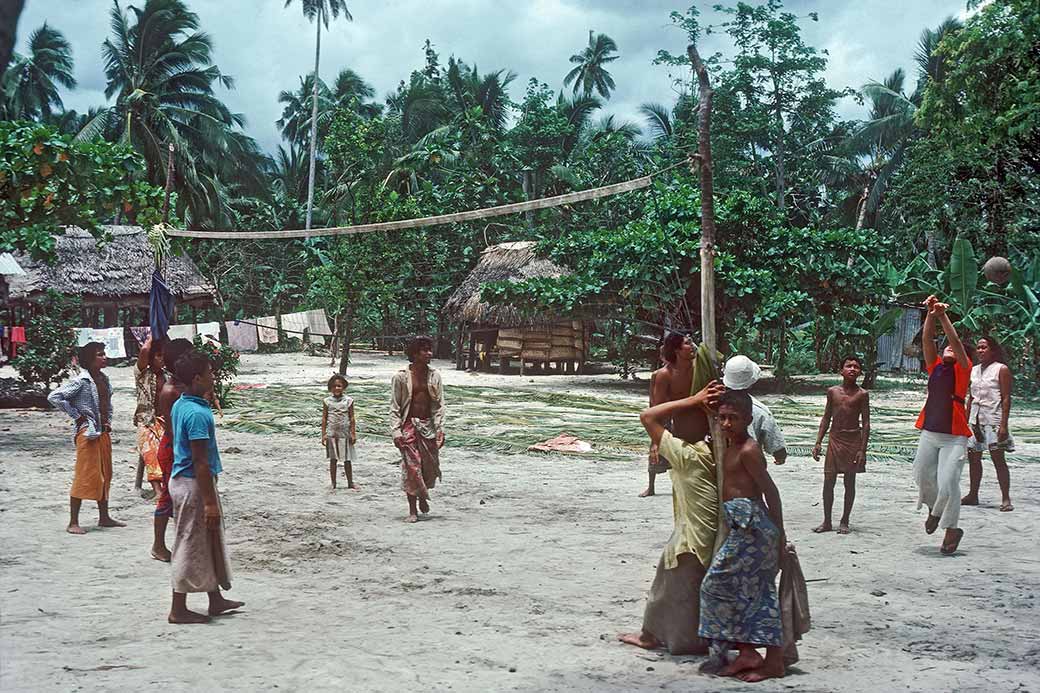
[266, 46]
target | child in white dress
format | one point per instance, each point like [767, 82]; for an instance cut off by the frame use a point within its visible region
[338, 429]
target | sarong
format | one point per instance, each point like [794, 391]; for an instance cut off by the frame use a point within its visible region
[164, 456]
[739, 602]
[842, 449]
[192, 565]
[93, 476]
[673, 607]
[420, 458]
[985, 438]
[148, 438]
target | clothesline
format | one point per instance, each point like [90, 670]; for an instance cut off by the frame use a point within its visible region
[470, 215]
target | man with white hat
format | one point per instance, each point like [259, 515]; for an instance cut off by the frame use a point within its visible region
[741, 373]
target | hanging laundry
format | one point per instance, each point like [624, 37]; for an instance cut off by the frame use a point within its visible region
[268, 329]
[295, 324]
[84, 335]
[241, 336]
[111, 337]
[160, 306]
[209, 328]
[17, 335]
[141, 334]
[319, 325]
[181, 332]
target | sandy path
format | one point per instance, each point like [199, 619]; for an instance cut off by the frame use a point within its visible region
[519, 580]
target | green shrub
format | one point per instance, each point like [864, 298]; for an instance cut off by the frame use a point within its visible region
[50, 342]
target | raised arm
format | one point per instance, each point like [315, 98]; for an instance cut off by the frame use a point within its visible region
[928, 334]
[144, 356]
[654, 418]
[825, 423]
[951, 335]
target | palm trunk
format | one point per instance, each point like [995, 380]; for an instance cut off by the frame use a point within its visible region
[314, 125]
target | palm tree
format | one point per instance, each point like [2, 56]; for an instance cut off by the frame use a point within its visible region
[589, 74]
[320, 10]
[349, 91]
[468, 88]
[658, 119]
[30, 84]
[159, 69]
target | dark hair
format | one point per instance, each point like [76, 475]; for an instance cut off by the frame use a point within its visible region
[190, 365]
[996, 347]
[334, 378]
[172, 352]
[88, 352]
[672, 342]
[737, 399]
[852, 357]
[417, 343]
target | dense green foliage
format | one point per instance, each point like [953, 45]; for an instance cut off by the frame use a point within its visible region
[50, 345]
[826, 228]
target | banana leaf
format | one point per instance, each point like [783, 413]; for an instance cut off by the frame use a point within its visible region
[963, 275]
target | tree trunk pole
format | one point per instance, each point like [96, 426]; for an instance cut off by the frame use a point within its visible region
[709, 336]
[169, 186]
[314, 123]
[348, 335]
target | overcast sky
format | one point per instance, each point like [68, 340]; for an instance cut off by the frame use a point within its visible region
[266, 46]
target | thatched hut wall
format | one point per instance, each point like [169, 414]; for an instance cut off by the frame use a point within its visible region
[501, 330]
[115, 273]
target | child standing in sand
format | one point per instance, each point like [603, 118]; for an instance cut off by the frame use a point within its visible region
[847, 405]
[338, 429]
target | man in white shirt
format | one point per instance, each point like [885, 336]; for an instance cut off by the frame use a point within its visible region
[741, 373]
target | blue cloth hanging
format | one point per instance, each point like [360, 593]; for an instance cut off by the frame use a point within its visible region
[160, 307]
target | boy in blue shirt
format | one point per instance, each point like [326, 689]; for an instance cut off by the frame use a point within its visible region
[200, 562]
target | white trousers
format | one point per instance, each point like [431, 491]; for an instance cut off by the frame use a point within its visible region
[937, 471]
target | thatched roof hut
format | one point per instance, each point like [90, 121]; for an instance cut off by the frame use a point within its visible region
[515, 262]
[501, 330]
[119, 272]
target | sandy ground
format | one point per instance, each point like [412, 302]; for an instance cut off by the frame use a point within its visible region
[520, 579]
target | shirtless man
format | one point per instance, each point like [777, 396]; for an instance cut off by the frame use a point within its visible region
[739, 602]
[417, 424]
[668, 384]
[847, 405]
[169, 393]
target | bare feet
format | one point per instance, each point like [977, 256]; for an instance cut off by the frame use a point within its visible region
[109, 522]
[162, 554]
[220, 606]
[951, 541]
[642, 639]
[424, 506]
[843, 529]
[647, 493]
[411, 518]
[825, 527]
[767, 671]
[747, 659]
[148, 493]
[1006, 507]
[931, 524]
[355, 487]
[186, 617]
[970, 500]
[75, 529]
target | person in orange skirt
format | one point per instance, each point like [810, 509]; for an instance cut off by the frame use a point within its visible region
[87, 399]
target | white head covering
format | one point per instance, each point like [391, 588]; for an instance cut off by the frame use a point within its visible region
[740, 373]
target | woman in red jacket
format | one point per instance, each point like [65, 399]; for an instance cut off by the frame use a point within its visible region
[945, 434]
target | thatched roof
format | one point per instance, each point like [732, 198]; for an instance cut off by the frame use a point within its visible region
[117, 272]
[515, 262]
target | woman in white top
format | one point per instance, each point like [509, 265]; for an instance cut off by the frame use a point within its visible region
[989, 406]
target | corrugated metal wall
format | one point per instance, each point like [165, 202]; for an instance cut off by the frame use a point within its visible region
[896, 350]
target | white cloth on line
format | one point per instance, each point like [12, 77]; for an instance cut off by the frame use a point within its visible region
[295, 324]
[181, 332]
[111, 337]
[241, 336]
[267, 327]
[319, 325]
[210, 328]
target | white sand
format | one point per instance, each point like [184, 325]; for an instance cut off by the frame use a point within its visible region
[532, 563]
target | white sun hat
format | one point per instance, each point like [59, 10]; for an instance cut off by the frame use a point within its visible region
[740, 373]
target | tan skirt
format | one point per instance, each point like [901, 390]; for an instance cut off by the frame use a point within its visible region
[673, 608]
[194, 558]
[93, 477]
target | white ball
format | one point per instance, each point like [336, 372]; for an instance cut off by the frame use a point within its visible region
[997, 269]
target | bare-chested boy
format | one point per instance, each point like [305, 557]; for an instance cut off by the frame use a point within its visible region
[169, 393]
[847, 405]
[739, 603]
[417, 424]
[667, 384]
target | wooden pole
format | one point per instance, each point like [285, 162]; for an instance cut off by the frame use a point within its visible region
[169, 186]
[702, 163]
